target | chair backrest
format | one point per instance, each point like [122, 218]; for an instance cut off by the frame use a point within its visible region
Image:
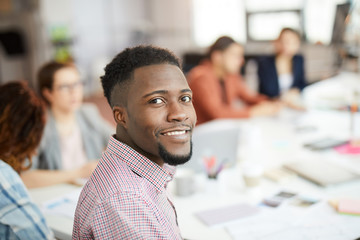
[191, 59]
[218, 138]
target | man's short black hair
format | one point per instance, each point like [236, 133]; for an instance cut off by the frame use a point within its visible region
[122, 67]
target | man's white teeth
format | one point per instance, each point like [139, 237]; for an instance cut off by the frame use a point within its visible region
[174, 133]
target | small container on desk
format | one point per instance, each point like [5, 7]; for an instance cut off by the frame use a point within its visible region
[355, 124]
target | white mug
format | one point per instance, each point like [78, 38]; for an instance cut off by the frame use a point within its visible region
[184, 182]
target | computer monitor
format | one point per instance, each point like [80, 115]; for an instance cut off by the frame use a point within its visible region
[218, 138]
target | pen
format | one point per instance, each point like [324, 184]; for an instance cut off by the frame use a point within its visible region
[210, 163]
[220, 168]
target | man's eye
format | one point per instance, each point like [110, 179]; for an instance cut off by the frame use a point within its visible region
[186, 99]
[156, 101]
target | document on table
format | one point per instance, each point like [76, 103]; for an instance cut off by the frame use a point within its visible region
[62, 206]
[226, 214]
[316, 222]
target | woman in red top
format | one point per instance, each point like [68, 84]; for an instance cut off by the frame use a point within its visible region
[218, 89]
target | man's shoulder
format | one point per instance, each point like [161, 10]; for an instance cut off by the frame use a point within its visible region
[108, 191]
[112, 176]
[98, 211]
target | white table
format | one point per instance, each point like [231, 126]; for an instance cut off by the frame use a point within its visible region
[62, 226]
[280, 143]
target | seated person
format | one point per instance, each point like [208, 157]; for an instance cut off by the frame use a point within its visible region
[22, 123]
[282, 75]
[75, 134]
[126, 197]
[216, 84]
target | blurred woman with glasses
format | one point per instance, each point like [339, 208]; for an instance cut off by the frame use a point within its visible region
[75, 134]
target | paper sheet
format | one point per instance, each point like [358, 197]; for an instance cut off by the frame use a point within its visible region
[225, 214]
[317, 222]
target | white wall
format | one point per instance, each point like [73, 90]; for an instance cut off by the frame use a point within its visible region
[172, 24]
[99, 30]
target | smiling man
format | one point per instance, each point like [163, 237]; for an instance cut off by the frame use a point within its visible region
[126, 197]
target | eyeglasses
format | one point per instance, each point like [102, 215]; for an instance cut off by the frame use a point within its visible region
[69, 87]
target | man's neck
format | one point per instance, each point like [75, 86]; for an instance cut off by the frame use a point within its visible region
[123, 137]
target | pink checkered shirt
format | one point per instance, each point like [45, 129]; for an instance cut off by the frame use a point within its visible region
[126, 198]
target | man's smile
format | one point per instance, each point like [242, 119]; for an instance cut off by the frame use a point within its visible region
[174, 133]
[180, 132]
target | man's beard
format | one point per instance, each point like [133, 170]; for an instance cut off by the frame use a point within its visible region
[172, 159]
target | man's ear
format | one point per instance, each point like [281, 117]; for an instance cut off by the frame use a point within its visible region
[120, 116]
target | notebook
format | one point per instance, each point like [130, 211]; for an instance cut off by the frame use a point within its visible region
[321, 172]
[349, 206]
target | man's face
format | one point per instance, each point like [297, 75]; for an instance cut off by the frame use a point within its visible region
[159, 114]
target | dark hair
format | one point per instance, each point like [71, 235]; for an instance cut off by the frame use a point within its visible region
[121, 68]
[46, 75]
[22, 122]
[287, 29]
[220, 44]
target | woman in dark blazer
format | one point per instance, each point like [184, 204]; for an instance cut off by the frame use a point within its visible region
[283, 75]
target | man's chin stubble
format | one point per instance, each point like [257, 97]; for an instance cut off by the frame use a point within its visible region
[172, 159]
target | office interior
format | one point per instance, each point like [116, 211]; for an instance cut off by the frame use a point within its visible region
[91, 33]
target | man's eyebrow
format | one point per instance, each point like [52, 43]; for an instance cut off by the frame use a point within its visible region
[155, 92]
[165, 92]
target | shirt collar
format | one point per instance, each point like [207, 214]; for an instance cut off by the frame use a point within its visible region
[141, 165]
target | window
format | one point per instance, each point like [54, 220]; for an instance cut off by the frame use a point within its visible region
[261, 20]
[214, 18]
[265, 26]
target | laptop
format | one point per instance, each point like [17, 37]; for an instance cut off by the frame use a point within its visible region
[218, 138]
[322, 173]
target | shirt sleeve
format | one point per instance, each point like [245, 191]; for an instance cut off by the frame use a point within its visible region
[126, 217]
[18, 213]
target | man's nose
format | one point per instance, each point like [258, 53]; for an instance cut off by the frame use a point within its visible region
[176, 112]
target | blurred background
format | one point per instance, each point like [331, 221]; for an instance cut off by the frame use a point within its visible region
[92, 32]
